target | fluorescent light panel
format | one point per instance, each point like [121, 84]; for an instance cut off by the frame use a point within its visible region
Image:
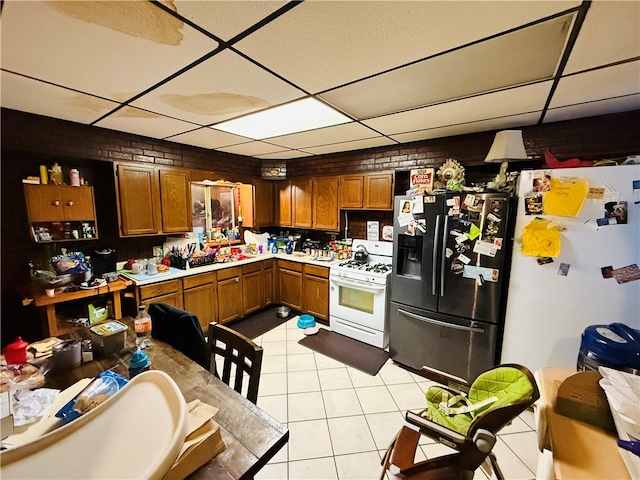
[294, 117]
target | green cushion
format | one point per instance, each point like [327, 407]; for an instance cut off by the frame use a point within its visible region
[507, 383]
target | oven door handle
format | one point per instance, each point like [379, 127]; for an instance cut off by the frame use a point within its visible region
[358, 284]
[439, 323]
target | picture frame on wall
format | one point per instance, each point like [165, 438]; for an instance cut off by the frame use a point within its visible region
[373, 230]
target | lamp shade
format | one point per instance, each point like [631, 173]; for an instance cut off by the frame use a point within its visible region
[507, 146]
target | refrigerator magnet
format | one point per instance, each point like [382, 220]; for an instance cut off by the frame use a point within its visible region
[464, 259]
[544, 260]
[564, 269]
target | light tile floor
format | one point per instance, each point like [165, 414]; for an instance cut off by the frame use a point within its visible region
[341, 420]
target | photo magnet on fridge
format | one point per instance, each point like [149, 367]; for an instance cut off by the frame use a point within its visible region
[564, 269]
[544, 260]
[607, 272]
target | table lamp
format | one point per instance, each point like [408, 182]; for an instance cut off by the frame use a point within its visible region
[507, 146]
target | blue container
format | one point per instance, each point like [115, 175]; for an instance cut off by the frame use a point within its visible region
[616, 346]
[306, 321]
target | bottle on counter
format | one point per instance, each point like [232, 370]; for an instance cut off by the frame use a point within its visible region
[88, 275]
[142, 324]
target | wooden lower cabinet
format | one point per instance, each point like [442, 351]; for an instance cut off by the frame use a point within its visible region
[268, 283]
[316, 292]
[169, 292]
[201, 297]
[252, 288]
[290, 284]
[229, 294]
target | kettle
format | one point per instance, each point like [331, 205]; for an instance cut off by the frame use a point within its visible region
[361, 255]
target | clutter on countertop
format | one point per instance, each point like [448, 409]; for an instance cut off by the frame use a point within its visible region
[29, 405]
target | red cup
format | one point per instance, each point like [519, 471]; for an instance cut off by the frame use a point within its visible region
[16, 353]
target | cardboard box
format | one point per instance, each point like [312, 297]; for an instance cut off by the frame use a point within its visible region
[581, 397]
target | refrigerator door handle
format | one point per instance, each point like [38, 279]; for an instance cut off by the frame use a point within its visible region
[439, 323]
[434, 279]
[443, 255]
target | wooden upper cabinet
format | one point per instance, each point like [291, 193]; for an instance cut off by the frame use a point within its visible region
[326, 215]
[263, 201]
[52, 203]
[301, 193]
[351, 191]
[152, 200]
[138, 199]
[175, 197]
[283, 189]
[378, 191]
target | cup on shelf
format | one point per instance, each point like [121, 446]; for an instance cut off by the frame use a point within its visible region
[50, 292]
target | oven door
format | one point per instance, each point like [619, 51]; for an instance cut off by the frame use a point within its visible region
[359, 302]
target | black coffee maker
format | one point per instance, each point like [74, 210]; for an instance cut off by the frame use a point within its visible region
[103, 261]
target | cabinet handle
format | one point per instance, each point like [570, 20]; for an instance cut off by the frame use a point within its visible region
[69, 204]
[55, 203]
[237, 279]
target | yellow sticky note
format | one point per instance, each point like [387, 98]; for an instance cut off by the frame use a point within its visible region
[565, 197]
[540, 238]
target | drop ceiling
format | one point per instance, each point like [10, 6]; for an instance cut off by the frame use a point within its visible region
[401, 71]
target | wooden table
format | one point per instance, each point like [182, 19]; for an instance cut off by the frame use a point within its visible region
[580, 450]
[41, 299]
[252, 437]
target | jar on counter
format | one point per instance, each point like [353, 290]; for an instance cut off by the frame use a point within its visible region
[87, 351]
[74, 177]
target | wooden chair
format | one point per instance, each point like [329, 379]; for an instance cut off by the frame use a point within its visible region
[239, 352]
[506, 390]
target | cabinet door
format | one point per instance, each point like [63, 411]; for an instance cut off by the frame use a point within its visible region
[252, 296]
[284, 204]
[378, 191]
[268, 286]
[316, 297]
[290, 287]
[301, 193]
[229, 299]
[263, 203]
[202, 302]
[45, 203]
[138, 199]
[79, 203]
[326, 215]
[175, 196]
[351, 191]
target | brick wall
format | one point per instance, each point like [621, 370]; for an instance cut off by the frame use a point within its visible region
[30, 140]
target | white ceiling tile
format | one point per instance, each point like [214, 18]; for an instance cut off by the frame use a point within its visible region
[208, 138]
[323, 136]
[223, 87]
[33, 96]
[599, 107]
[111, 49]
[288, 154]
[225, 19]
[142, 122]
[610, 33]
[320, 45]
[498, 104]
[355, 145]
[252, 148]
[501, 123]
[521, 57]
[598, 84]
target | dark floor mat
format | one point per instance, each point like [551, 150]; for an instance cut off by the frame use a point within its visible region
[354, 353]
[259, 323]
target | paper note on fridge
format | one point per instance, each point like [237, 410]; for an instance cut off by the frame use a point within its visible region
[485, 248]
[405, 219]
[566, 196]
[481, 273]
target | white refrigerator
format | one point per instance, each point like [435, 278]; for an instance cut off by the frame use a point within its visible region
[547, 311]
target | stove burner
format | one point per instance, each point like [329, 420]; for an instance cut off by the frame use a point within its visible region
[367, 267]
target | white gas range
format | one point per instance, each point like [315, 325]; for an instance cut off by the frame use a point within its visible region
[358, 294]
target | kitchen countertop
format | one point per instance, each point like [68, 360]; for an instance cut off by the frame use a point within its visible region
[176, 273]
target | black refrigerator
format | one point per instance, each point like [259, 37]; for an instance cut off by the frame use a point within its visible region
[451, 258]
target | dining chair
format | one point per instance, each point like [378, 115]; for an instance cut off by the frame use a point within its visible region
[241, 358]
[467, 423]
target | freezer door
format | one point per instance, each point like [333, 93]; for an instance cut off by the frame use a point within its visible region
[474, 247]
[458, 348]
[414, 278]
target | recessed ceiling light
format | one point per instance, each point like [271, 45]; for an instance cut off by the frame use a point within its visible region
[294, 117]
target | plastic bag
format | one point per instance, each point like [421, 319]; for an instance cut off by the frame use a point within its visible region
[72, 262]
[105, 385]
[20, 377]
